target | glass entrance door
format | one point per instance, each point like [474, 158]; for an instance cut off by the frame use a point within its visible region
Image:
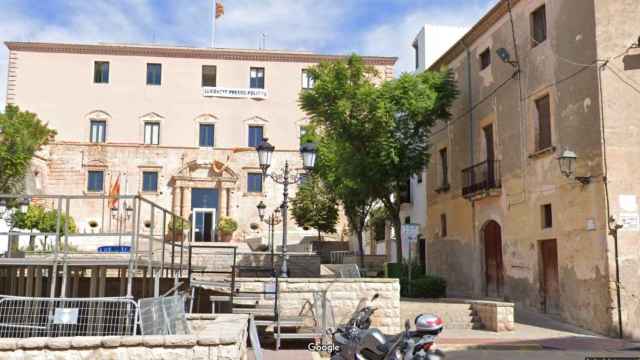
[204, 224]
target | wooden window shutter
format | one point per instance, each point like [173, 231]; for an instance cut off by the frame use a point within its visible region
[544, 123]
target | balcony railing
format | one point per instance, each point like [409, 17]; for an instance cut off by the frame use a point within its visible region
[481, 177]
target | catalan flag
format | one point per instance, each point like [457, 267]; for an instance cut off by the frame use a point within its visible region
[219, 9]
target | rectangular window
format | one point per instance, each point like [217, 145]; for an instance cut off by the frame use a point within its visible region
[444, 168]
[485, 59]
[405, 194]
[207, 132]
[150, 181]
[256, 80]
[254, 182]
[95, 182]
[547, 216]
[151, 133]
[307, 80]
[443, 225]
[538, 26]
[98, 131]
[101, 72]
[543, 133]
[416, 53]
[209, 75]
[255, 135]
[154, 74]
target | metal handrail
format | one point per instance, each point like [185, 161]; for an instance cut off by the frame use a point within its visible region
[481, 176]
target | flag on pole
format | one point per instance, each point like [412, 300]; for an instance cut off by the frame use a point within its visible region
[114, 193]
[219, 9]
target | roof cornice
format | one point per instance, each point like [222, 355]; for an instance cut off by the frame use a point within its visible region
[177, 52]
[480, 28]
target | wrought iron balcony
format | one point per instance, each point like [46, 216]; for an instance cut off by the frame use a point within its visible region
[481, 177]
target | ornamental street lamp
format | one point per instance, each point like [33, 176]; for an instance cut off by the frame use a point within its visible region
[261, 208]
[285, 178]
[271, 221]
[567, 162]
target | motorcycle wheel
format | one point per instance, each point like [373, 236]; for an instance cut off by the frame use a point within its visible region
[436, 355]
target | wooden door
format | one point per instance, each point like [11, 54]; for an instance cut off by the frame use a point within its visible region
[550, 283]
[493, 259]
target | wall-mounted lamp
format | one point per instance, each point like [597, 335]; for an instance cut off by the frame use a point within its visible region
[504, 55]
[567, 163]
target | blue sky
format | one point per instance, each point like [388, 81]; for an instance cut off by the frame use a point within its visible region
[370, 27]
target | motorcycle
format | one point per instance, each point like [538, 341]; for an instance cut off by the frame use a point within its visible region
[355, 339]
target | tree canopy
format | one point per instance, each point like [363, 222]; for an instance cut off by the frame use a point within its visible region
[376, 133]
[22, 134]
[315, 207]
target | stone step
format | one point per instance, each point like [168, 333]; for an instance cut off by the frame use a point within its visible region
[254, 311]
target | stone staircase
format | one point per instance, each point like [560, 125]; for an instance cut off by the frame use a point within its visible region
[263, 311]
[454, 315]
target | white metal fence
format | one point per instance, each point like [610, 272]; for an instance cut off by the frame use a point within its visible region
[22, 317]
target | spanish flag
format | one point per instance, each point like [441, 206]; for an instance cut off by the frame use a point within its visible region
[219, 9]
[114, 194]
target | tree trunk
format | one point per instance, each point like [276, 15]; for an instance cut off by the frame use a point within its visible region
[360, 248]
[319, 235]
[397, 229]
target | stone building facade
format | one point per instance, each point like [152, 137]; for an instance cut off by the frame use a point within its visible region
[177, 124]
[538, 78]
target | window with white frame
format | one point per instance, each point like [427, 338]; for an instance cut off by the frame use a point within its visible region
[98, 131]
[256, 80]
[151, 133]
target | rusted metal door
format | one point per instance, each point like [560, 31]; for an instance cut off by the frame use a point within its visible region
[550, 284]
[493, 259]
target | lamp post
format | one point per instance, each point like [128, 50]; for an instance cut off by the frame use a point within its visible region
[285, 178]
[271, 221]
[120, 215]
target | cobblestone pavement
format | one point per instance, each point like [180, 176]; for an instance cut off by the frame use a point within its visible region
[536, 355]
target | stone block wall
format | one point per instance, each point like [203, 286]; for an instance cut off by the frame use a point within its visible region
[494, 315]
[300, 264]
[222, 336]
[343, 295]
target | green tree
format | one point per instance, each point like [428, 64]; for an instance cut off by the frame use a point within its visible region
[22, 134]
[314, 206]
[45, 221]
[339, 168]
[383, 129]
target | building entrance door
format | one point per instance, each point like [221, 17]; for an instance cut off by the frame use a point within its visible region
[204, 205]
[493, 259]
[204, 224]
[550, 282]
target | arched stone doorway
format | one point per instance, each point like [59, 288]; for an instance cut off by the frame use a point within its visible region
[493, 266]
[201, 193]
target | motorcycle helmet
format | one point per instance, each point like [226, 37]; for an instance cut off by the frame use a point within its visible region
[429, 324]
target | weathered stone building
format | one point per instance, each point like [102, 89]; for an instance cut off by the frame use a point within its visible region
[177, 124]
[545, 79]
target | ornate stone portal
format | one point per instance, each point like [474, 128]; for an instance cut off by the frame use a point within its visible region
[203, 175]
